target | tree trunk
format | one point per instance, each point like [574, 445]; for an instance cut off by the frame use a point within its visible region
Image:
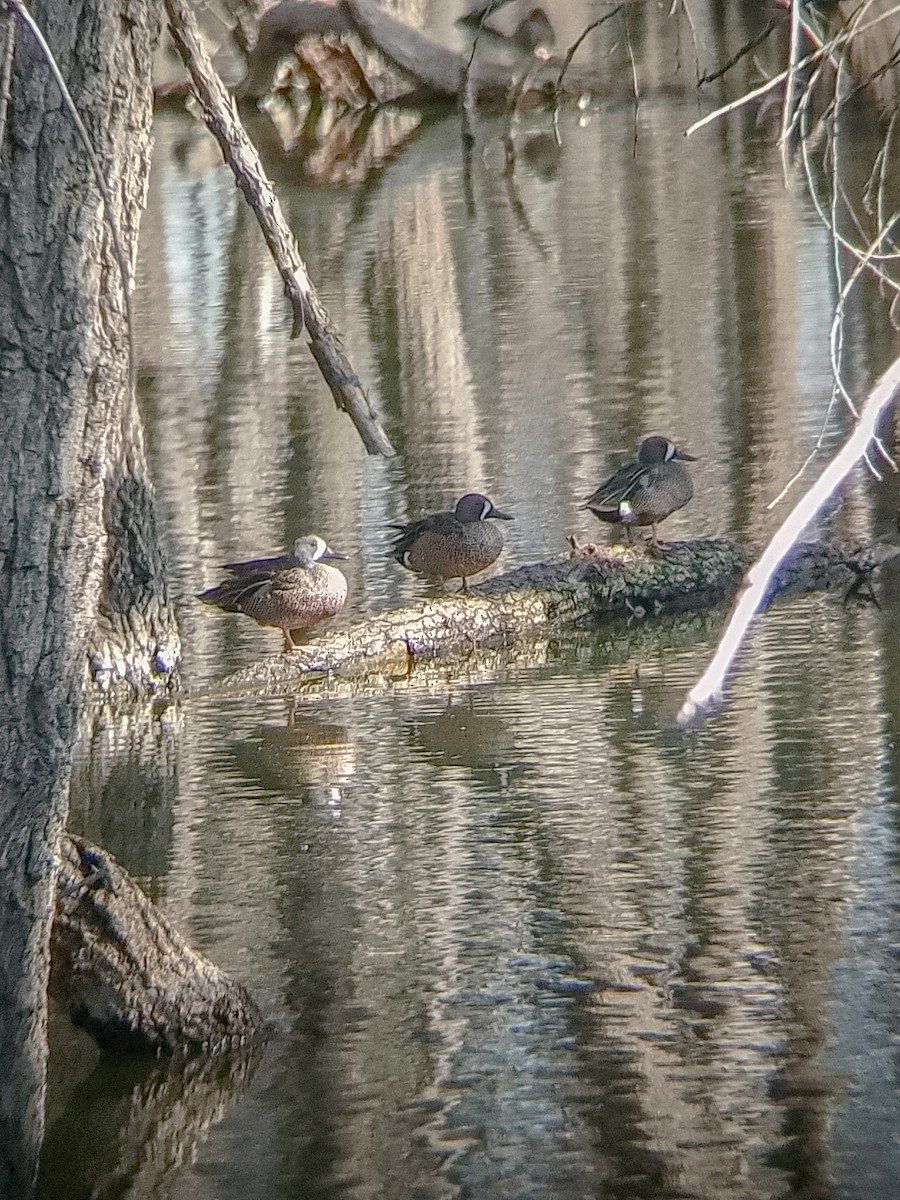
[67, 451]
[134, 647]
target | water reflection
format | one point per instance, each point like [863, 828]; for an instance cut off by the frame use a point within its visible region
[131, 1124]
[304, 757]
[520, 936]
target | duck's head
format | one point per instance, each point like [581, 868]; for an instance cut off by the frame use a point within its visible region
[310, 549]
[475, 507]
[659, 449]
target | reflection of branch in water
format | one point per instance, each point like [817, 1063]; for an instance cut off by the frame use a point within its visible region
[515, 199]
[509, 168]
[134, 1122]
[570, 54]
[468, 111]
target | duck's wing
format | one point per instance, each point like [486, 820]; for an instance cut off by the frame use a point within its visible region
[233, 594]
[408, 535]
[261, 566]
[623, 485]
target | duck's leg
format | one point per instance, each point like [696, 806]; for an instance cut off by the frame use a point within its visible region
[289, 643]
[655, 546]
[465, 586]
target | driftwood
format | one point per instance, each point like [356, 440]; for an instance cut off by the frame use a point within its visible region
[222, 117]
[588, 586]
[438, 71]
[123, 972]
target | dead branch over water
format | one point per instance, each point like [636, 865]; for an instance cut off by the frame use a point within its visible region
[538, 599]
[224, 122]
[862, 52]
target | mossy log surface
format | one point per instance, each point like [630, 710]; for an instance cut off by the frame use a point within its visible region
[587, 586]
[126, 975]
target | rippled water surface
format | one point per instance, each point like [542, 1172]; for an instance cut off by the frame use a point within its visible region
[517, 935]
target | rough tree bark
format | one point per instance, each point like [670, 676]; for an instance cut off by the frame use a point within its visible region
[69, 457]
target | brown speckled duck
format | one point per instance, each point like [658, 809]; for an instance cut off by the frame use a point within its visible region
[647, 491]
[292, 592]
[452, 545]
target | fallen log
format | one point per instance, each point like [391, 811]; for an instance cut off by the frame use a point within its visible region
[436, 72]
[585, 587]
[124, 973]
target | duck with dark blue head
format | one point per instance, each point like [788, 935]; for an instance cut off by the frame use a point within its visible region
[646, 491]
[452, 545]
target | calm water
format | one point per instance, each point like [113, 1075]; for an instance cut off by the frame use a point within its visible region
[517, 935]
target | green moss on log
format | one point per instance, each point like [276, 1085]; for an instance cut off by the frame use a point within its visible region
[587, 586]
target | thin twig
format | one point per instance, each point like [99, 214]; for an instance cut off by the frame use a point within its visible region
[747, 48]
[758, 579]
[467, 89]
[220, 111]
[790, 87]
[634, 81]
[567, 62]
[18, 8]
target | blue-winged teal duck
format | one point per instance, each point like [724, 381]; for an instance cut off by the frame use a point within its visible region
[647, 491]
[292, 592]
[452, 545]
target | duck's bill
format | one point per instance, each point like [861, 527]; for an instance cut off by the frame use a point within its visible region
[500, 516]
[329, 553]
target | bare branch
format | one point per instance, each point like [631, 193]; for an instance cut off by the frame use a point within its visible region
[747, 48]
[790, 87]
[225, 124]
[826, 51]
[635, 86]
[759, 578]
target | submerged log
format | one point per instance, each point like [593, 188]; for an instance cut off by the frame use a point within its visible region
[126, 975]
[588, 586]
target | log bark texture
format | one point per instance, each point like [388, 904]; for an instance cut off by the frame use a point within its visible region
[127, 976]
[66, 452]
[588, 586]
